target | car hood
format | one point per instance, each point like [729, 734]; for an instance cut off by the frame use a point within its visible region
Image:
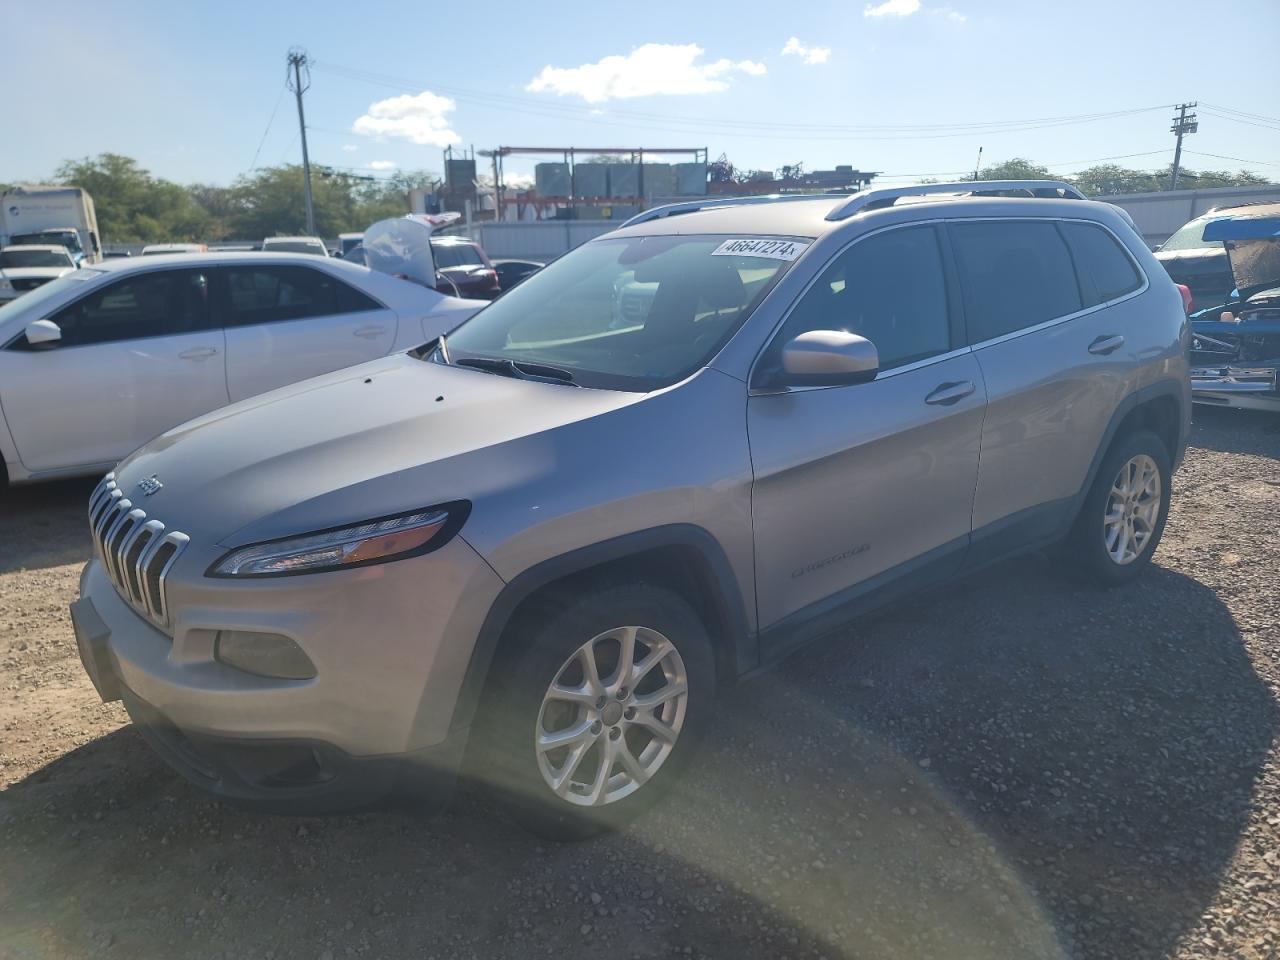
[1192, 253]
[1253, 249]
[384, 437]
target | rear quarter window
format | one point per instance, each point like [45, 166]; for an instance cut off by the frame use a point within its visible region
[1106, 271]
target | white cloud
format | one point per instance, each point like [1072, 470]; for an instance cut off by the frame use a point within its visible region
[654, 68]
[810, 55]
[349, 148]
[382, 164]
[420, 119]
[956, 17]
[892, 8]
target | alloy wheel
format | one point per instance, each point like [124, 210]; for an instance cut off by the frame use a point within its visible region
[611, 716]
[1133, 509]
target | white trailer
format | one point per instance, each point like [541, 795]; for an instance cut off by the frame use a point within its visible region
[43, 215]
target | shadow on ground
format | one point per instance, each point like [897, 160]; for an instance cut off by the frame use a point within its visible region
[44, 524]
[1010, 767]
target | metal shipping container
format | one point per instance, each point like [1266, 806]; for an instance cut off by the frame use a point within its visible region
[691, 179]
[552, 179]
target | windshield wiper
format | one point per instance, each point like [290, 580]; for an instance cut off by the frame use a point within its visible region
[519, 369]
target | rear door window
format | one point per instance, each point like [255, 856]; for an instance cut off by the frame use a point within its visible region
[271, 294]
[1106, 270]
[1014, 273]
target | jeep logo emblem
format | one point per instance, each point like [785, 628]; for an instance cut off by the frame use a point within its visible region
[149, 485]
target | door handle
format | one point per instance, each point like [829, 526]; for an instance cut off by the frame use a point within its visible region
[369, 332]
[197, 353]
[1107, 344]
[946, 394]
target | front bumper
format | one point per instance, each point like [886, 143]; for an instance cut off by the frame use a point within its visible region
[390, 644]
[1251, 387]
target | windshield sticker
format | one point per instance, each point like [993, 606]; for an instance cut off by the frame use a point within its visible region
[761, 247]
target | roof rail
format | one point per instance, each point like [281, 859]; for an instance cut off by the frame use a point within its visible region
[692, 206]
[884, 196]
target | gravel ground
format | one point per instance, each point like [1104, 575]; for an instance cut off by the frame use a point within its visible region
[1012, 766]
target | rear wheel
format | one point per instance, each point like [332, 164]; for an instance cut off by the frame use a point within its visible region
[594, 709]
[1124, 513]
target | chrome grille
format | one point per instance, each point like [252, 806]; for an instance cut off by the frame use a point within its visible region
[137, 552]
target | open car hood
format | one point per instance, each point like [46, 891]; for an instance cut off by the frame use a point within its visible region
[1253, 250]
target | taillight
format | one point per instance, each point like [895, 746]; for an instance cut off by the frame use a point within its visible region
[1187, 302]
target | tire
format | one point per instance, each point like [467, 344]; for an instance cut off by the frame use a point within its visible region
[1094, 547]
[546, 648]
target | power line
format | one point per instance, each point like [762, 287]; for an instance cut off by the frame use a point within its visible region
[1219, 156]
[634, 118]
[279, 97]
[1253, 116]
[1251, 123]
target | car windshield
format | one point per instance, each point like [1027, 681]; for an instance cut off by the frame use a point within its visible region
[68, 240]
[52, 290]
[629, 314]
[295, 246]
[1191, 236]
[34, 258]
[456, 255]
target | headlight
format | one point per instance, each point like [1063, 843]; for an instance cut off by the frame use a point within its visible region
[375, 541]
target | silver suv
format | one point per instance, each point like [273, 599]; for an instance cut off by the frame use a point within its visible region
[540, 545]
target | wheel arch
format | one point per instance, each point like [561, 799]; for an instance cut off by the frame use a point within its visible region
[1160, 408]
[682, 557]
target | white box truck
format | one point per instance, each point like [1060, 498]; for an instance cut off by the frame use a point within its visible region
[44, 215]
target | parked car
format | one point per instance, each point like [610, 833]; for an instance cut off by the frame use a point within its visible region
[462, 267]
[348, 241]
[309, 245]
[1200, 263]
[104, 358]
[462, 264]
[511, 272]
[161, 249]
[115, 254]
[543, 543]
[24, 268]
[1236, 346]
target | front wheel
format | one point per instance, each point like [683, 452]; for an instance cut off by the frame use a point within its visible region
[594, 708]
[1124, 513]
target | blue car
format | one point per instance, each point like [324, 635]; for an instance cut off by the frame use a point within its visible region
[1235, 348]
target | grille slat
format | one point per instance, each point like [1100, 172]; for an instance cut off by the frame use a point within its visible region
[137, 553]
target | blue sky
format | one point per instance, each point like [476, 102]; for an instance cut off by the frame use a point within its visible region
[902, 86]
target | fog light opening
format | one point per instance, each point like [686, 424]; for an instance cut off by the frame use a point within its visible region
[263, 655]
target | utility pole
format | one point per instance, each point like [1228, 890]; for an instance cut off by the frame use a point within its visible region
[298, 63]
[977, 166]
[1183, 123]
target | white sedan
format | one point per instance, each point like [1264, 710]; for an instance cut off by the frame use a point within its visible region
[23, 267]
[99, 361]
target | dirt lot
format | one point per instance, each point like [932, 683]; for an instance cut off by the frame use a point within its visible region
[1013, 766]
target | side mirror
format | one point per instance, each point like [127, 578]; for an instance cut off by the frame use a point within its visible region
[43, 331]
[828, 358]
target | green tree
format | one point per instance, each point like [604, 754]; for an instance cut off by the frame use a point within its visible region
[132, 205]
[1108, 179]
[1019, 168]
